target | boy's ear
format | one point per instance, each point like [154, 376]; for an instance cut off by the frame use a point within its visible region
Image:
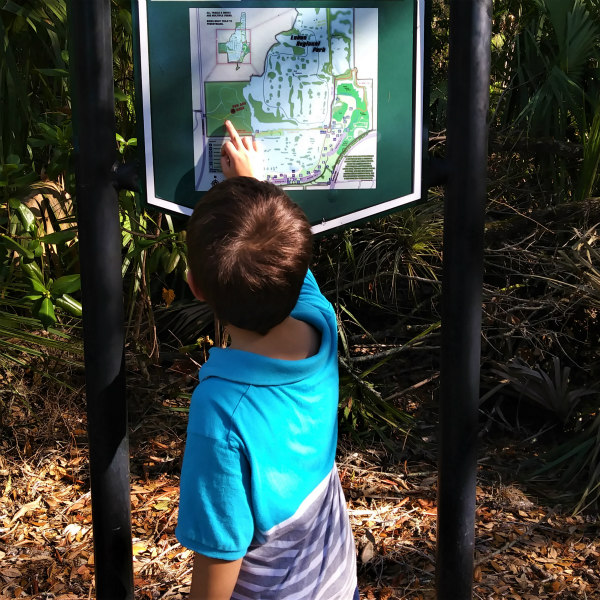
[195, 289]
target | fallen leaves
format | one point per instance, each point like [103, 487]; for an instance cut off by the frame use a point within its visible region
[26, 509]
[523, 551]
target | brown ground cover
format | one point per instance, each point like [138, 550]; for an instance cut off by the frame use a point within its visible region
[524, 549]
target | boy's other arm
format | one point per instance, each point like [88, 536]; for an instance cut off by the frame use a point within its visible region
[213, 578]
[241, 156]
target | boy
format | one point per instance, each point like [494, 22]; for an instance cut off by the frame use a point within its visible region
[261, 502]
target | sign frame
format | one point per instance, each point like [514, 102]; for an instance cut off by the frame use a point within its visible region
[327, 209]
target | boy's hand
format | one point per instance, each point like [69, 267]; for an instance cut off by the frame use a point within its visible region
[242, 156]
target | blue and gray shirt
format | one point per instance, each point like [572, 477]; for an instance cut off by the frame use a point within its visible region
[259, 479]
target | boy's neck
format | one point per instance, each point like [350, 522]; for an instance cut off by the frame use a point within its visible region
[290, 340]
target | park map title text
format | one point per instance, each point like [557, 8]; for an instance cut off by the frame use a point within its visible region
[302, 41]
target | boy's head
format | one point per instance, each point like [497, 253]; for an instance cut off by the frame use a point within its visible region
[249, 248]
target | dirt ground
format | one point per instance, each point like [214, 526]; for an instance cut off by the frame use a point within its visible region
[524, 550]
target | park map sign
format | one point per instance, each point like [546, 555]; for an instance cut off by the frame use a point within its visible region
[332, 90]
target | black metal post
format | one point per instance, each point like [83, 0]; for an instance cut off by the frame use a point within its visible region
[468, 103]
[102, 291]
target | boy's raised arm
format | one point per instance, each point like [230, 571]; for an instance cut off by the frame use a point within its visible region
[241, 156]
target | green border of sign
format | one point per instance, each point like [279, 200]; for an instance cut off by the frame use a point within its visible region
[164, 108]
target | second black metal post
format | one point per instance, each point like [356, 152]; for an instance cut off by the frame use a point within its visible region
[468, 103]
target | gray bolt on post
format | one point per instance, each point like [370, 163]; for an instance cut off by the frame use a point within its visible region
[468, 104]
[102, 294]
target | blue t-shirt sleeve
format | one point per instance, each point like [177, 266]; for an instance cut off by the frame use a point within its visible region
[311, 294]
[215, 518]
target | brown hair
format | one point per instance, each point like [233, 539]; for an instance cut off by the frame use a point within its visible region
[249, 248]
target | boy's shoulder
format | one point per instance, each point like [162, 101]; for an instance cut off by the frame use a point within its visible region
[213, 407]
[233, 384]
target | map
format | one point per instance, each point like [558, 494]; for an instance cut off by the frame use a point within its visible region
[302, 81]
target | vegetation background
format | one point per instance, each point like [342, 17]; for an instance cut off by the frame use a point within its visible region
[540, 362]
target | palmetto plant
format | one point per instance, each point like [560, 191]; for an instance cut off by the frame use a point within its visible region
[26, 251]
[574, 464]
[547, 89]
[405, 246]
[553, 56]
[551, 392]
[591, 158]
[39, 251]
[21, 339]
[36, 278]
[33, 71]
[578, 461]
